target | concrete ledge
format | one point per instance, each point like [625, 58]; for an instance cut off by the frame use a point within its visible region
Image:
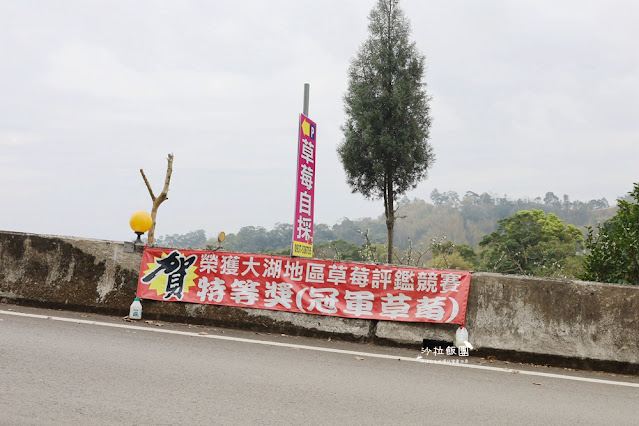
[561, 318]
[64, 271]
[545, 321]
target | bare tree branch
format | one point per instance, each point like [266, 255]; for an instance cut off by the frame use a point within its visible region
[160, 198]
[148, 185]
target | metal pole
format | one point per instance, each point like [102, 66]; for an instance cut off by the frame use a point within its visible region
[306, 96]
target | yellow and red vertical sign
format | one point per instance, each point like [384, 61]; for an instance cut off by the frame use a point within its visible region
[305, 192]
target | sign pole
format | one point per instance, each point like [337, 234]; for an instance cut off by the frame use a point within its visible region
[302, 245]
[306, 98]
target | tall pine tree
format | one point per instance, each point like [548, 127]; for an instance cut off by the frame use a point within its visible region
[385, 151]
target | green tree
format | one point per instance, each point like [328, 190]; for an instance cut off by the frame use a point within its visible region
[252, 239]
[385, 151]
[531, 243]
[551, 198]
[371, 252]
[614, 251]
[280, 237]
[451, 261]
[454, 256]
[338, 250]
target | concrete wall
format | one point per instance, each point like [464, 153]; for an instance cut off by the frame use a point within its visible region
[70, 272]
[574, 323]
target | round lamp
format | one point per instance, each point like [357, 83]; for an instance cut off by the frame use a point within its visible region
[140, 223]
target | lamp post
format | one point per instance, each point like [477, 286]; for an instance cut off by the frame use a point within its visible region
[140, 223]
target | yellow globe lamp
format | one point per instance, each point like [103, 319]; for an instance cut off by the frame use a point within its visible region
[140, 223]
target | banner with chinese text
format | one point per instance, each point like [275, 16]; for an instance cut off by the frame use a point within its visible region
[344, 289]
[305, 192]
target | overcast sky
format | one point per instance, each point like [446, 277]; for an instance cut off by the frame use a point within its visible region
[527, 97]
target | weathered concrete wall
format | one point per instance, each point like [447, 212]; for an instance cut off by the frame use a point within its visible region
[582, 324]
[98, 276]
[576, 323]
[555, 317]
[61, 271]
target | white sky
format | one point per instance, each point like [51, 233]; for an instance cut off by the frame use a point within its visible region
[528, 97]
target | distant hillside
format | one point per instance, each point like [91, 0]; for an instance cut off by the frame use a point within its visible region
[463, 220]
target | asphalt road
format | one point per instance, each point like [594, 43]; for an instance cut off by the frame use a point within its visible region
[68, 368]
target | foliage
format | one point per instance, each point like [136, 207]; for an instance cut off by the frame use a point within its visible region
[451, 261]
[371, 252]
[454, 256]
[475, 216]
[445, 255]
[385, 151]
[469, 218]
[531, 243]
[255, 239]
[193, 239]
[613, 253]
[338, 250]
[411, 256]
[442, 254]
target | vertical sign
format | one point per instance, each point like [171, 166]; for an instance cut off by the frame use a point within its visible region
[305, 192]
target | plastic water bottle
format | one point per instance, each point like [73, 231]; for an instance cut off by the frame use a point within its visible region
[135, 312]
[461, 338]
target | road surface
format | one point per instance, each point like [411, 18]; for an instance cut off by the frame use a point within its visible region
[60, 367]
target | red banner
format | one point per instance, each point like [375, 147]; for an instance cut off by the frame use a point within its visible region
[351, 290]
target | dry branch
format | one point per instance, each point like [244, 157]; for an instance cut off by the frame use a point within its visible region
[160, 198]
[148, 185]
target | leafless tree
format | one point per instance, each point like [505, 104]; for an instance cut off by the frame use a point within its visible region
[160, 198]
